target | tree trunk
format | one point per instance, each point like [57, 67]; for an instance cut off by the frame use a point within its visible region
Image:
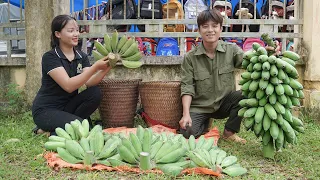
[38, 15]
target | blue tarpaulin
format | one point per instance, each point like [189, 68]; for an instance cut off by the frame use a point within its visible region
[259, 4]
[16, 3]
[78, 4]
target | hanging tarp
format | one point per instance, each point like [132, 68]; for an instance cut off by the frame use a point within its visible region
[77, 4]
[14, 14]
[16, 3]
[259, 4]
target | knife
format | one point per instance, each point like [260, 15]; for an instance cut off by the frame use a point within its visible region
[188, 132]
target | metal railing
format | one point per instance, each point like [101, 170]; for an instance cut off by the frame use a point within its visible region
[12, 24]
[154, 27]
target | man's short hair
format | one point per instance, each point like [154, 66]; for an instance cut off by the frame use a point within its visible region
[209, 15]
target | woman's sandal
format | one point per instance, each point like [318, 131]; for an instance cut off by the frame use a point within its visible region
[38, 131]
[235, 138]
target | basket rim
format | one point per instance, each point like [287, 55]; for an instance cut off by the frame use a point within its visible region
[119, 79]
[146, 82]
[107, 80]
[160, 84]
[119, 83]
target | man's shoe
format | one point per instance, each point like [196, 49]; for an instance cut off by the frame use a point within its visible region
[235, 138]
[98, 122]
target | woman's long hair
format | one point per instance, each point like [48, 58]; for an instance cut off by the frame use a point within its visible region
[58, 23]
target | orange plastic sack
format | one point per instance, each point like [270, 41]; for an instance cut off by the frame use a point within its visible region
[56, 163]
[156, 129]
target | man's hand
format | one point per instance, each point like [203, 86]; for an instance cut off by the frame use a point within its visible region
[185, 120]
[276, 50]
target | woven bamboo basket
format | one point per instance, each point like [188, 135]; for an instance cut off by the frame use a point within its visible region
[161, 101]
[119, 102]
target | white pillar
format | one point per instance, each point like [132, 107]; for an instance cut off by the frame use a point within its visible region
[311, 42]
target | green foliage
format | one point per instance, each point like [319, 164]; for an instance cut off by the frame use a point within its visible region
[14, 98]
[21, 156]
[139, 121]
[310, 115]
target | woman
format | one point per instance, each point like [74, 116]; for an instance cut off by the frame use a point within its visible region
[64, 71]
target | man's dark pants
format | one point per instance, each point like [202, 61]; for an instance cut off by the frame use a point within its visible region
[229, 108]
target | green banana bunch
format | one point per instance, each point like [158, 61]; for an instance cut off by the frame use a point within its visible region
[107, 43]
[144, 149]
[124, 50]
[114, 41]
[216, 159]
[270, 93]
[77, 144]
[202, 143]
[121, 42]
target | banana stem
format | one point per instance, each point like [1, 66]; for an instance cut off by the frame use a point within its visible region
[113, 59]
[266, 38]
[145, 163]
[88, 158]
[111, 56]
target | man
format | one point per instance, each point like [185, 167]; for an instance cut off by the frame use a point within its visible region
[208, 83]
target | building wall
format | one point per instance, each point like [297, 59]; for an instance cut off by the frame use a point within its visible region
[146, 73]
[309, 74]
[311, 41]
[12, 75]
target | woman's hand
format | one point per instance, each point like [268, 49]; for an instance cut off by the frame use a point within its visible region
[102, 68]
[102, 64]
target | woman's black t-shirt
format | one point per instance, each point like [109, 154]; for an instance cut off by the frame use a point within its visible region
[51, 95]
